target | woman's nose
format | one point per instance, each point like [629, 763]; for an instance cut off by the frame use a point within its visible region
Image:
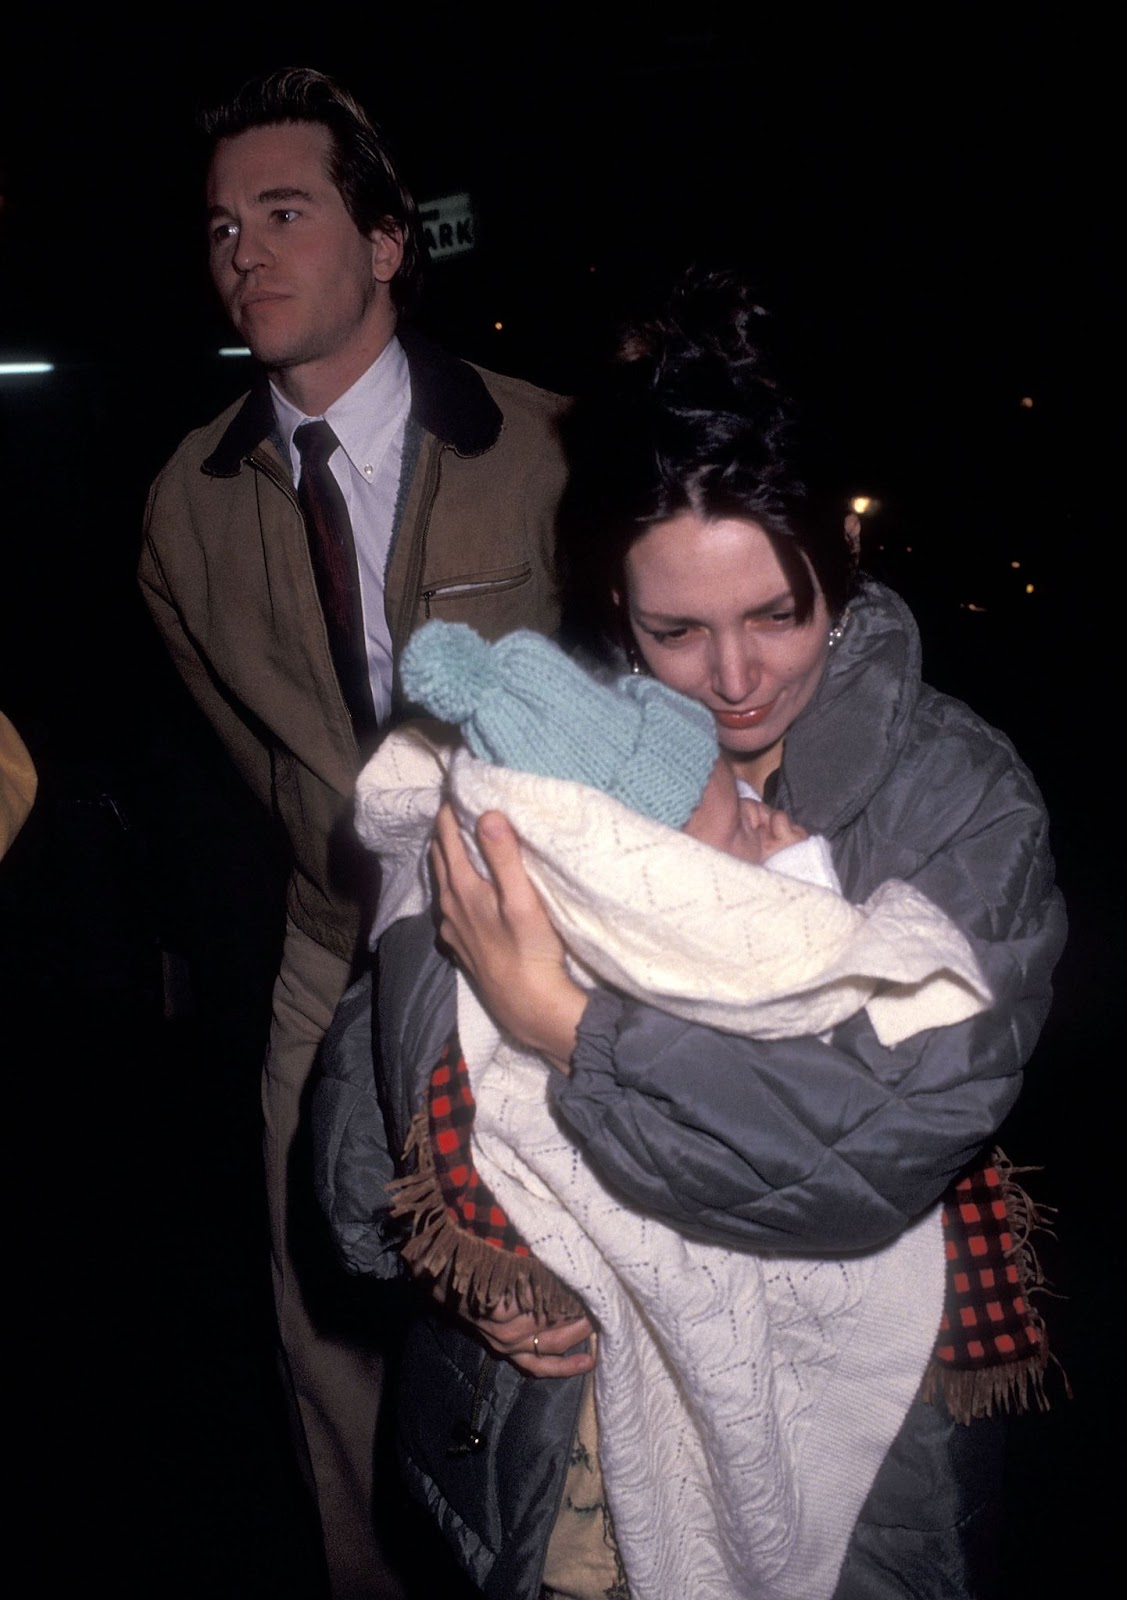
[735, 671]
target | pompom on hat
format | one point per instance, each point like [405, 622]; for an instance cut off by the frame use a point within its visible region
[522, 703]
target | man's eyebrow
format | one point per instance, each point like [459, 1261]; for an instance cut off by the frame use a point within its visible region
[265, 197]
[285, 192]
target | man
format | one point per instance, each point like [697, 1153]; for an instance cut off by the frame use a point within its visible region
[287, 565]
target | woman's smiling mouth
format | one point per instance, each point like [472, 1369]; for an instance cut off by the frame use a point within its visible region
[750, 718]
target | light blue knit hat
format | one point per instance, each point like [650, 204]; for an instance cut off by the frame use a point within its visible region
[522, 703]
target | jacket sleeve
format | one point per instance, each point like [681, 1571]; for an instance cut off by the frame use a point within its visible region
[352, 1158]
[231, 721]
[822, 1148]
[375, 1062]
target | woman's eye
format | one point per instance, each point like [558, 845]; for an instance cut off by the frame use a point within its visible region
[669, 635]
[782, 618]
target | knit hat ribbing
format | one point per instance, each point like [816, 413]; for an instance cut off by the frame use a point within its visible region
[522, 703]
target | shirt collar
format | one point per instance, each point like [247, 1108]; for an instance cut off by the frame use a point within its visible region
[365, 418]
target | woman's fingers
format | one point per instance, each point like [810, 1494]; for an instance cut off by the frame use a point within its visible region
[503, 939]
[538, 1347]
[500, 848]
[552, 1366]
[468, 903]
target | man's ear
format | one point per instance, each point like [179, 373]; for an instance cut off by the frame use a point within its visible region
[387, 251]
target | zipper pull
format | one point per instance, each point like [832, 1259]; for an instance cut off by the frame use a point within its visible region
[465, 1435]
[465, 1440]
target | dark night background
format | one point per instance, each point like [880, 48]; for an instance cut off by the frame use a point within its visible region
[926, 197]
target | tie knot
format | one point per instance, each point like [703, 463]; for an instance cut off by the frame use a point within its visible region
[315, 442]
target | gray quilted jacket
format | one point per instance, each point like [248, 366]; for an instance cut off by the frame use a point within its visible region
[795, 1145]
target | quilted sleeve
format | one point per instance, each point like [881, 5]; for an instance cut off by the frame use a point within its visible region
[805, 1146]
[385, 1039]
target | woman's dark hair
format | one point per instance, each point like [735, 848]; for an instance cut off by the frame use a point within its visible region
[691, 418]
[360, 163]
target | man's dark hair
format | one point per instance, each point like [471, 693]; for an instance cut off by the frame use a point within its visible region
[360, 163]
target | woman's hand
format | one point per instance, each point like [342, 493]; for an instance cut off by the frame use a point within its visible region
[500, 935]
[535, 1345]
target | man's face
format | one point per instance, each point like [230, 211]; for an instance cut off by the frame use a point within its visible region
[305, 288]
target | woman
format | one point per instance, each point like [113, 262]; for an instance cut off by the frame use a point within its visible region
[710, 560]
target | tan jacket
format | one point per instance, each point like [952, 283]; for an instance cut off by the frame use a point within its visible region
[18, 783]
[225, 570]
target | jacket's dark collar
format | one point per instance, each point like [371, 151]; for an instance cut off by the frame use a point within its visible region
[253, 422]
[448, 399]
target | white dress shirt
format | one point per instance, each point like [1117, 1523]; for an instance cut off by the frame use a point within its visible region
[370, 421]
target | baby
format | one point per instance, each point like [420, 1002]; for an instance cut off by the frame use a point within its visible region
[524, 705]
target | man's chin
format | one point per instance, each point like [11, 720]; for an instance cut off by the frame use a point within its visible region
[274, 357]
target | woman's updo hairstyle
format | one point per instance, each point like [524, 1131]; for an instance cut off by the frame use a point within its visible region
[692, 418]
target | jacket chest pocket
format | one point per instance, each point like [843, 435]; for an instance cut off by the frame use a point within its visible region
[458, 595]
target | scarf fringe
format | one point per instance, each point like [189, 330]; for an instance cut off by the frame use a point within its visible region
[461, 1265]
[1013, 1386]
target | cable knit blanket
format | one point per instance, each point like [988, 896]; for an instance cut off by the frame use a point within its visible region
[745, 1402]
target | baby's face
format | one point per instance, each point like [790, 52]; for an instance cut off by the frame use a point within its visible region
[747, 829]
[719, 818]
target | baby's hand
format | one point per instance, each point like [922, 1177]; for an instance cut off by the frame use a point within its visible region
[768, 831]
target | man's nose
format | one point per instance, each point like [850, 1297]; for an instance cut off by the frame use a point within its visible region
[250, 250]
[735, 670]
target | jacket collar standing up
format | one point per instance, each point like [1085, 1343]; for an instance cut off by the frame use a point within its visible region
[448, 399]
[841, 749]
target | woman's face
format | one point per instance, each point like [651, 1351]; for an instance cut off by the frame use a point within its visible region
[713, 616]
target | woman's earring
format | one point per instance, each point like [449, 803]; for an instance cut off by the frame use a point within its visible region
[634, 660]
[837, 631]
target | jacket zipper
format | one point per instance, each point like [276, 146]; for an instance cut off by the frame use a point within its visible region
[456, 591]
[413, 577]
[466, 1434]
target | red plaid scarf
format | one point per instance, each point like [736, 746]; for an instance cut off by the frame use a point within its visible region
[459, 1235]
[992, 1346]
[450, 1110]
